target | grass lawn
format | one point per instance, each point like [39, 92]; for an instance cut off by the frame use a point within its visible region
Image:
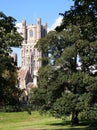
[35, 121]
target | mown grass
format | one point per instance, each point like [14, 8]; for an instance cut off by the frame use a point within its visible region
[35, 121]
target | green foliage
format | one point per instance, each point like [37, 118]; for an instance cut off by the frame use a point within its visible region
[52, 46]
[9, 93]
[83, 14]
[67, 84]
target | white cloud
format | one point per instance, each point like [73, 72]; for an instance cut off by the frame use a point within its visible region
[55, 24]
[19, 27]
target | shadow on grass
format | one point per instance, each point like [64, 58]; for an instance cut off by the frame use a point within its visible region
[67, 124]
[87, 125]
[91, 125]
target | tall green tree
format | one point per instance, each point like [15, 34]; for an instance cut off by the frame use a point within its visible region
[9, 37]
[67, 82]
[66, 86]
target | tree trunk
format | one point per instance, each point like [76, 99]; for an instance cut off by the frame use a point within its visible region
[74, 120]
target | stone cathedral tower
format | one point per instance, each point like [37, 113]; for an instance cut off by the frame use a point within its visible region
[30, 55]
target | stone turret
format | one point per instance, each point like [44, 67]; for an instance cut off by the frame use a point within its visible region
[44, 30]
[38, 29]
[24, 30]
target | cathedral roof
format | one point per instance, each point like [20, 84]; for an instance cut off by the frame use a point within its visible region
[22, 73]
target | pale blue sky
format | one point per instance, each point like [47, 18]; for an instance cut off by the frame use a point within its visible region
[47, 10]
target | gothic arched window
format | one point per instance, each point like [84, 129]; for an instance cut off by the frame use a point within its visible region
[34, 63]
[30, 33]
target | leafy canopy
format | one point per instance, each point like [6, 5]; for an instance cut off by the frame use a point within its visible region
[8, 71]
[68, 79]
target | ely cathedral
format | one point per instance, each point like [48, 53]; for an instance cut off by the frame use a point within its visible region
[30, 56]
